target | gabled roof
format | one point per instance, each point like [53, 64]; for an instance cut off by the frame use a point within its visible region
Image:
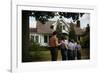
[44, 28]
[33, 30]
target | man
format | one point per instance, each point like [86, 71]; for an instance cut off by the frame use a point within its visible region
[78, 50]
[64, 47]
[71, 50]
[53, 43]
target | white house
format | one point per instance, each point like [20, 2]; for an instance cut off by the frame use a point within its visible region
[42, 32]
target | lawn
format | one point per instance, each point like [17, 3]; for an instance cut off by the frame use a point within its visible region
[45, 55]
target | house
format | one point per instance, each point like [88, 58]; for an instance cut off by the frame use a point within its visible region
[42, 33]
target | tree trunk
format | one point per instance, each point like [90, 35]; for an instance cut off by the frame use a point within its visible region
[25, 36]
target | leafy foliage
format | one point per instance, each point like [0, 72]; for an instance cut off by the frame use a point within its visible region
[85, 42]
[72, 34]
[75, 16]
[37, 52]
[43, 16]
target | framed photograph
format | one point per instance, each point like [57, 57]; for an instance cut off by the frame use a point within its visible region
[52, 36]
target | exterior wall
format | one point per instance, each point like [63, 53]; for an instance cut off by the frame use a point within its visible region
[34, 36]
[40, 39]
[42, 43]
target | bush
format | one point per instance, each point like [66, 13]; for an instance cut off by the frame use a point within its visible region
[36, 47]
[36, 51]
[85, 42]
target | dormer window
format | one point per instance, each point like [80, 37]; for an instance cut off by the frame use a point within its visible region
[63, 27]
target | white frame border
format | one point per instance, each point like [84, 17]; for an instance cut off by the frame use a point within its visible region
[17, 66]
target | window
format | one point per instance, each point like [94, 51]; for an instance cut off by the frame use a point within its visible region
[37, 38]
[63, 27]
[60, 27]
[45, 39]
[50, 37]
[32, 38]
[78, 38]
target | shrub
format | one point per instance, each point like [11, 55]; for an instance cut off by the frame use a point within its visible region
[36, 51]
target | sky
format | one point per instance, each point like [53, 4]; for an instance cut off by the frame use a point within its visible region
[84, 20]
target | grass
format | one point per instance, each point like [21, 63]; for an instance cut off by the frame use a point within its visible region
[45, 55]
[85, 53]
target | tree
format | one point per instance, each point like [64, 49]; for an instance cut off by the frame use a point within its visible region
[85, 42]
[75, 16]
[88, 35]
[25, 36]
[72, 34]
[43, 16]
[86, 38]
[59, 30]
